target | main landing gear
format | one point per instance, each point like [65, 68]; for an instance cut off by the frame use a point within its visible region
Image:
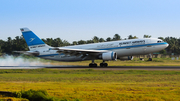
[103, 64]
[92, 64]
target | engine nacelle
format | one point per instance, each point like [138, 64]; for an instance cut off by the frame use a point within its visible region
[109, 56]
[126, 58]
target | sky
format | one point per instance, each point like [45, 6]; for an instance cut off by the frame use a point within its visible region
[75, 20]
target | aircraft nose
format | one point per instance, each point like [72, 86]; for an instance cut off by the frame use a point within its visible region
[167, 44]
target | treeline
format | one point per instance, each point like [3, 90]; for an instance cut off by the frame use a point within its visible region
[19, 44]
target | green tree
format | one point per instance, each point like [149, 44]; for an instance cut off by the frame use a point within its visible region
[116, 37]
[81, 42]
[1, 45]
[95, 39]
[108, 39]
[74, 43]
[49, 41]
[8, 45]
[66, 43]
[173, 44]
[147, 36]
[163, 51]
[89, 41]
[58, 42]
[101, 40]
[132, 37]
[161, 38]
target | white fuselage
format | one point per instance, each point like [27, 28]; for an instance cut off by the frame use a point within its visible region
[122, 48]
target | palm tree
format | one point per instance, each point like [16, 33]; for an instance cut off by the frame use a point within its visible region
[147, 36]
[117, 37]
[95, 39]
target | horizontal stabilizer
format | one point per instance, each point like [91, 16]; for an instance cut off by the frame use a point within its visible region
[28, 53]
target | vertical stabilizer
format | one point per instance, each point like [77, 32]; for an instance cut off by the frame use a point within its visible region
[33, 41]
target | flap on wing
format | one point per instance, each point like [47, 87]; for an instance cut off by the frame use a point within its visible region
[34, 53]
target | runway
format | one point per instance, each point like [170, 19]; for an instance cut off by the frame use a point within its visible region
[96, 68]
[119, 68]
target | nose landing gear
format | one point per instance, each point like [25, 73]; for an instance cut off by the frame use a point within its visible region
[150, 57]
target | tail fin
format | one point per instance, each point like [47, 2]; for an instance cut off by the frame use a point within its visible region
[33, 41]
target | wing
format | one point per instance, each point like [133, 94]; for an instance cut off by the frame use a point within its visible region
[79, 52]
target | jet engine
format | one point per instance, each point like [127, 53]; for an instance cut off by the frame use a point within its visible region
[108, 56]
[126, 58]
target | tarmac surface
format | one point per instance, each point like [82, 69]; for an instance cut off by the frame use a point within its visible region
[96, 68]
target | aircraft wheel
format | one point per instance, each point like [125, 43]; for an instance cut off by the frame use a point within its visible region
[150, 59]
[103, 64]
[95, 65]
[92, 65]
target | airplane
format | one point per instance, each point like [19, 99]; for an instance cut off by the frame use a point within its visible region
[106, 51]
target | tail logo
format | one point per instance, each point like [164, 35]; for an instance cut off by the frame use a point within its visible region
[32, 39]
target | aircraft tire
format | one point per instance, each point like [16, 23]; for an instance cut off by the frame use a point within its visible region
[103, 64]
[150, 59]
[92, 65]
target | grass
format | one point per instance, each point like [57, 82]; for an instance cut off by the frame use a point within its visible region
[89, 84]
[134, 62]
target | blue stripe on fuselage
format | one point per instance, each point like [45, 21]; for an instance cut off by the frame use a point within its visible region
[114, 48]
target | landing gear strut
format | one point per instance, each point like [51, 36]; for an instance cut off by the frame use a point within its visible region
[92, 64]
[150, 57]
[103, 64]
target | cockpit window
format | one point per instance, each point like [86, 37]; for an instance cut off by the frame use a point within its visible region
[159, 41]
